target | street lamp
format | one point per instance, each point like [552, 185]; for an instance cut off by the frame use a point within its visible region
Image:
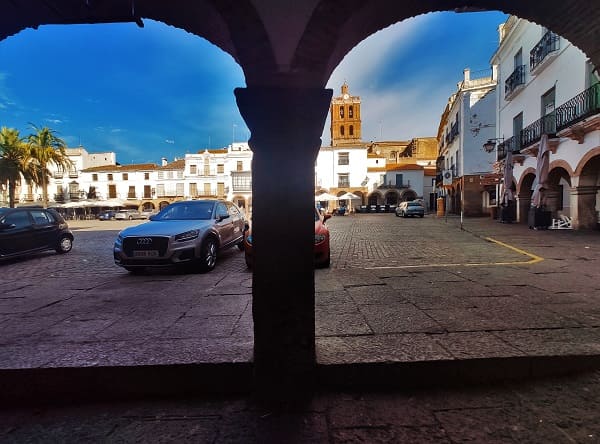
[490, 145]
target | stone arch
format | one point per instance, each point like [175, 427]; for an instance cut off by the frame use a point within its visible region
[585, 159]
[375, 198]
[407, 195]
[560, 163]
[325, 30]
[392, 197]
[558, 194]
[525, 181]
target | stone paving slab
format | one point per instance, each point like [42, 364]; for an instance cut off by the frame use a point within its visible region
[398, 291]
[555, 410]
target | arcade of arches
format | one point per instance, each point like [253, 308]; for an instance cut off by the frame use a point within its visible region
[287, 60]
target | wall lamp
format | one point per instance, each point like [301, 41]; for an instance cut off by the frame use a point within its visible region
[490, 145]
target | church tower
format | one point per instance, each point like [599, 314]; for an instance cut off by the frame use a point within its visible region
[345, 119]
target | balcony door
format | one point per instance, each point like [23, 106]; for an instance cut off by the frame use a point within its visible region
[547, 112]
[517, 127]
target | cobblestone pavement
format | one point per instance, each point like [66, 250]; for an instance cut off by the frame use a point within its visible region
[399, 290]
[557, 411]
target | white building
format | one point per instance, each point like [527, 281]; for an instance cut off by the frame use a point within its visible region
[97, 180]
[467, 122]
[549, 87]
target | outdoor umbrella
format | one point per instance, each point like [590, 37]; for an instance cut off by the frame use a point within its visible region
[350, 197]
[543, 164]
[507, 194]
[325, 197]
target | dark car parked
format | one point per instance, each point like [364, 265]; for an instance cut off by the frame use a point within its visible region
[107, 215]
[31, 230]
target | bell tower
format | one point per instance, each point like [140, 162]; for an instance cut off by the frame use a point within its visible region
[345, 119]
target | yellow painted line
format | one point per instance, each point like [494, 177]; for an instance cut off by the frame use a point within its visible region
[534, 259]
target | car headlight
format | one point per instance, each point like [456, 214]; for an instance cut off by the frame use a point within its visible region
[249, 239]
[319, 238]
[188, 235]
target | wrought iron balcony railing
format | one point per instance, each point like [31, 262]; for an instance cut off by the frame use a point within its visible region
[580, 107]
[533, 133]
[516, 79]
[549, 43]
[513, 144]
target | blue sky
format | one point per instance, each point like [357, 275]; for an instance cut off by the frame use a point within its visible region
[158, 91]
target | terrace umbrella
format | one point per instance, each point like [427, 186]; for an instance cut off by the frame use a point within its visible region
[543, 164]
[507, 194]
[326, 197]
[350, 197]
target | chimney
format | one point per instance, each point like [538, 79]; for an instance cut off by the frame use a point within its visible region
[467, 74]
[163, 161]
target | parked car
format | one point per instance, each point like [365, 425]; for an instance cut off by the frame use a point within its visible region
[107, 215]
[31, 230]
[187, 233]
[322, 250]
[147, 213]
[128, 215]
[412, 208]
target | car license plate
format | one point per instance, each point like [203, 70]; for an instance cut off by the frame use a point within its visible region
[145, 253]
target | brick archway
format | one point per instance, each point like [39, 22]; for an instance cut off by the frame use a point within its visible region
[287, 60]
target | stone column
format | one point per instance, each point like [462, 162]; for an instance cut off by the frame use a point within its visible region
[286, 126]
[523, 205]
[583, 207]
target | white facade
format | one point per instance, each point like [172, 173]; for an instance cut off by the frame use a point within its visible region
[341, 167]
[224, 173]
[533, 101]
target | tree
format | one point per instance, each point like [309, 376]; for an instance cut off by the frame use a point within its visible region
[46, 148]
[15, 161]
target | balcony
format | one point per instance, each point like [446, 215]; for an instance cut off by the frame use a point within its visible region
[512, 144]
[73, 174]
[514, 83]
[391, 186]
[59, 198]
[543, 52]
[453, 131]
[533, 133]
[580, 107]
[58, 175]
[241, 181]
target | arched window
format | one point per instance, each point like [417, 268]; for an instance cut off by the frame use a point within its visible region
[341, 130]
[350, 111]
[341, 112]
[351, 130]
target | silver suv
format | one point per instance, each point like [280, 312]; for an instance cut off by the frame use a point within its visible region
[187, 233]
[128, 215]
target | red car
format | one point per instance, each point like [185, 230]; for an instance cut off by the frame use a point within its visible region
[322, 251]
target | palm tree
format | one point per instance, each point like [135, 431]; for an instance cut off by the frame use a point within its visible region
[46, 148]
[15, 161]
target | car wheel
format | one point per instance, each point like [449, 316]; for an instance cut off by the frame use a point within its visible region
[327, 262]
[421, 215]
[130, 217]
[64, 245]
[397, 215]
[208, 254]
[135, 270]
[404, 215]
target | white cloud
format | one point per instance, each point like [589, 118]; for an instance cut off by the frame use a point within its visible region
[361, 68]
[55, 121]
